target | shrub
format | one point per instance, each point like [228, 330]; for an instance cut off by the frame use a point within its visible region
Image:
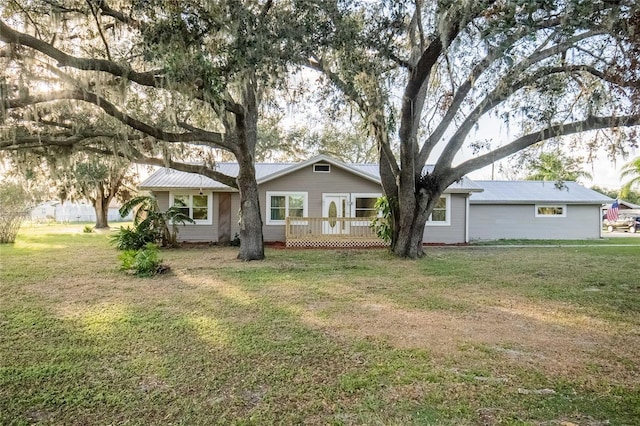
[383, 226]
[150, 224]
[133, 239]
[13, 210]
[144, 262]
[88, 229]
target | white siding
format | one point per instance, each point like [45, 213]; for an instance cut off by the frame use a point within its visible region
[493, 222]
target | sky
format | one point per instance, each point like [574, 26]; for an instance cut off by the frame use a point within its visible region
[605, 172]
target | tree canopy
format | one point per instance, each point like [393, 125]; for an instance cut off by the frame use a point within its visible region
[432, 73]
[179, 81]
[159, 82]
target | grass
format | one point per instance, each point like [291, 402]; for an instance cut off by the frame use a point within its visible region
[605, 240]
[469, 336]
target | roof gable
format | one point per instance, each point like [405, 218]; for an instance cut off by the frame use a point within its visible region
[321, 159]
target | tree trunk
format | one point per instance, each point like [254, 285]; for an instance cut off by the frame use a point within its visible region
[408, 241]
[101, 206]
[251, 239]
[413, 214]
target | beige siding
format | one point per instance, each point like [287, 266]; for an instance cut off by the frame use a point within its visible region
[191, 232]
[315, 184]
[455, 232]
[163, 200]
[493, 222]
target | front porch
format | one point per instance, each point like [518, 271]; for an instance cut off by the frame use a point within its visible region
[332, 232]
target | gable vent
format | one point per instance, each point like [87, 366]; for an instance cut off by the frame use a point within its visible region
[322, 168]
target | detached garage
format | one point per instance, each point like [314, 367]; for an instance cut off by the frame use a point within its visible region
[535, 210]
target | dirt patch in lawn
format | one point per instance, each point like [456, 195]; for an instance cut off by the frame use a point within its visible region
[551, 338]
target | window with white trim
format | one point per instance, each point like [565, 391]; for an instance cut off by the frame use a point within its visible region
[441, 214]
[198, 207]
[365, 205]
[281, 205]
[551, 210]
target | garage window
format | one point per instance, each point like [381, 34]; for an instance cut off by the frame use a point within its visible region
[551, 211]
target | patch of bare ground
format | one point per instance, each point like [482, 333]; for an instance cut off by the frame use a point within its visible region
[518, 333]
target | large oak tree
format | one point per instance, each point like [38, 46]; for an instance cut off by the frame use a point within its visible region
[427, 74]
[179, 80]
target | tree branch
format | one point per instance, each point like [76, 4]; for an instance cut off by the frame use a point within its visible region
[591, 123]
[230, 181]
[9, 35]
[508, 85]
[202, 136]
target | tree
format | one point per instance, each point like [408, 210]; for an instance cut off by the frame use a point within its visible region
[555, 166]
[632, 170]
[300, 143]
[631, 196]
[98, 180]
[555, 68]
[177, 81]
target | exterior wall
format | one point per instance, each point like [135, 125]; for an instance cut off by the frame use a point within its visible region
[453, 233]
[235, 210]
[493, 222]
[315, 184]
[192, 232]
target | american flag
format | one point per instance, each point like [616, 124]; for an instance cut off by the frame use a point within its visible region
[612, 213]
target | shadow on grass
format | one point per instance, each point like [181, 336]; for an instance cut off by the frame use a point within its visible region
[259, 344]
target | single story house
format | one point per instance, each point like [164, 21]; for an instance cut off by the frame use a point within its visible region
[324, 202]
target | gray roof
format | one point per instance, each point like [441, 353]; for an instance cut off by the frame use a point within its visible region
[526, 192]
[168, 178]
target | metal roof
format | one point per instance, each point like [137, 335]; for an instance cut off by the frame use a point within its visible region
[168, 178]
[526, 192]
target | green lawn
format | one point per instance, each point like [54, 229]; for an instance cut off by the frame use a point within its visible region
[465, 336]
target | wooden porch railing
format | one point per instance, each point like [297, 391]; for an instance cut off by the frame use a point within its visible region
[330, 232]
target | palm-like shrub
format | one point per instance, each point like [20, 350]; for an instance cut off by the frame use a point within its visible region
[632, 170]
[150, 224]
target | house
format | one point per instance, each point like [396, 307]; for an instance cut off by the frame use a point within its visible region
[324, 202]
[535, 210]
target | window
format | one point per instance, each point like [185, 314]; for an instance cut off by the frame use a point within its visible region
[281, 205]
[322, 168]
[551, 211]
[363, 205]
[197, 206]
[441, 214]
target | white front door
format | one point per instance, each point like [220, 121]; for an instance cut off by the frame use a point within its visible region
[335, 206]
